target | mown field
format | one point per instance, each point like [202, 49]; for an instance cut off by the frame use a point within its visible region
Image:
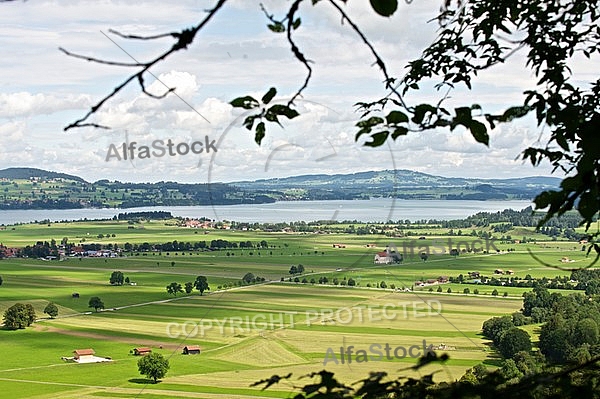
[251, 332]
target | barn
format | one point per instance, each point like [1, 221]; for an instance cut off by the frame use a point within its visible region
[191, 350]
[83, 355]
[141, 351]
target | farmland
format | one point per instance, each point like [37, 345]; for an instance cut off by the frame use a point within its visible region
[248, 332]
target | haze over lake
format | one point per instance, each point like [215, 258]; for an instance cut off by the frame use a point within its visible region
[374, 210]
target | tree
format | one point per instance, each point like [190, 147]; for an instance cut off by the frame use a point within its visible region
[248, 278]
[293, 270]
[51, 310]
[1, 281]
[96, 303]
[116, 278]
[154, 366]
[495, 292]
[300, 268]
[514, 340]
[174, 288]
[19, 316]
[189, 287]
[201, 284]
[495, 327]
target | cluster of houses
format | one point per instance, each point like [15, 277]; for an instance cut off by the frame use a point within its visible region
[78, 251]
[198, 224]
[6, 252]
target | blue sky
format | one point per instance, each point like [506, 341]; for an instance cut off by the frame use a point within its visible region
[42, 90]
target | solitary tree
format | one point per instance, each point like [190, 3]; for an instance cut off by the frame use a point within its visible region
[174, 288]
[51, 310]
[117, 278]
[96, 303]
[19, 316]
[201, 284]
[153, 366]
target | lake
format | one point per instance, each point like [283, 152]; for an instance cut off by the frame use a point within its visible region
[373, 210]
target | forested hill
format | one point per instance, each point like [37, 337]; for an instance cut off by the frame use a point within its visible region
[29, 173]
[404, 184]
[30, 188]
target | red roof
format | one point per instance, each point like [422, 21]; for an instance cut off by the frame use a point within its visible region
[143, 349]
[193, 348]
[83, 352]
[382, 254]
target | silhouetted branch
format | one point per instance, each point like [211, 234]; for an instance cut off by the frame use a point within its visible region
[99, 61]
[297, 53]
[185, 38]
[378, 59]
[137, 37]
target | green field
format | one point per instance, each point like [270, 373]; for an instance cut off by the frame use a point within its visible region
[250, 332]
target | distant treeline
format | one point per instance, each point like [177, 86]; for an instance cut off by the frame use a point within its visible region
[148, 215]
[524, 218]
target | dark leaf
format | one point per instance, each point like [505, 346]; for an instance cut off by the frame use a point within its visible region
[296, 24]
[588, 205]
[515, 112]
[260, 133]
[479, 132]
[269, 95]
[396, 117]
[378, 139]
[284, 110]
[385, 8]
[246, 102]
[276, 27]
[372, 121]
[400, 131]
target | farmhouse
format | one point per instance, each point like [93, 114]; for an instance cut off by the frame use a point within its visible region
[83, 355]
[141, 351]
[191, 350]
[387, 257]
[382, 258]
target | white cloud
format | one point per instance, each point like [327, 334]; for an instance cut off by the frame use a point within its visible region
[43, 90]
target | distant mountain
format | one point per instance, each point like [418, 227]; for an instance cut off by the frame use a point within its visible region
[29, 173]
[30, 188]
[405, 184]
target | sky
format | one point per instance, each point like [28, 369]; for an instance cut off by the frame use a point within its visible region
[42, 90]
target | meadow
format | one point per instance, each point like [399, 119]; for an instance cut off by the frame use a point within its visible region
[248, 332]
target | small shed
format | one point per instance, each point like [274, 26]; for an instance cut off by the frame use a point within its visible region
[83, 354]
[141, 351]
[191, 350]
